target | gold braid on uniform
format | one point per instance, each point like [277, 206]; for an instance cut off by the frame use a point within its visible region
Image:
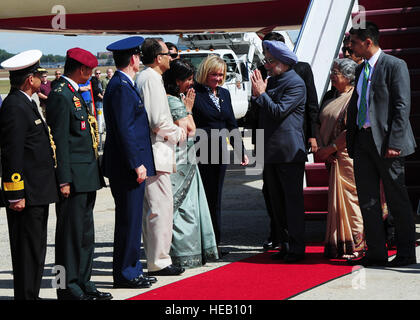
[94, 131]
[53, 147]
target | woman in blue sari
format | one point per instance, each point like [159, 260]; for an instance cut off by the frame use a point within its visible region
[193, 240]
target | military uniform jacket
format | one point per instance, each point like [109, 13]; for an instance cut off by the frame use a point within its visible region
[26, 154]
[67, 115]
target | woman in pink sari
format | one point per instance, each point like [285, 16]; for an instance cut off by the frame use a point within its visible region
[344, 235]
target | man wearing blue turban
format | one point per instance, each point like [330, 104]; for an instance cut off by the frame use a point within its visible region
[281, 108]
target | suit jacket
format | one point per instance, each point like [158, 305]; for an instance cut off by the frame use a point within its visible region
[312, 109]
[389, 107]
[27, 158]
[303, 69]
[127, 144]
[67, 115]
[281, 115]
[207, 116]
[164, 133]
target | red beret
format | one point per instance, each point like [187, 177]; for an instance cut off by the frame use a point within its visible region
[83, 56]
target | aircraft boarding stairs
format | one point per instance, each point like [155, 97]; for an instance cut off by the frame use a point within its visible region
[399, 23]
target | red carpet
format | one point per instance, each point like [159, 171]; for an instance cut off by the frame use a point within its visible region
[254, 278]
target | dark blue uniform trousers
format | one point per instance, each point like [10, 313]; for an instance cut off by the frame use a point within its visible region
[128, 228]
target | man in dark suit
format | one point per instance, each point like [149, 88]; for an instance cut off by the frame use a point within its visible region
[29, 182]
[281, 100]
[379, 136]
[127, 162]
[79, 177]
[303, 69]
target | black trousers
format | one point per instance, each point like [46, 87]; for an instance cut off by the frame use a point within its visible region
[369, 169]
[75, 243]
[272, 237]
[284, 183]
[28, 244]
[213, 176]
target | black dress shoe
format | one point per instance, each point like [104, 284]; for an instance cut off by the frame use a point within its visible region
[140, 282]
[367, 262]
[279, 255]
[267, 245]
[270, 245]
[67, 295]
[150, 278]
[171, 270]
[293, 257]
[98, 295]
[401, 261]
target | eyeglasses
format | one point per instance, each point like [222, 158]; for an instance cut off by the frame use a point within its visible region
[174, 55]
[268, 61]
[164, 54]
[97, 73]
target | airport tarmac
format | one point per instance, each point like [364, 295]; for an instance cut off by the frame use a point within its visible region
[245, 227]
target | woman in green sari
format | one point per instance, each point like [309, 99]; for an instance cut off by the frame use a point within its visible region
[193, 240]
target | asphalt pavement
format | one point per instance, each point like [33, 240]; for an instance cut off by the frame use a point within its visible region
[245, 227]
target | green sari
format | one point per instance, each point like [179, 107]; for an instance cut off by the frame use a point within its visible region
[193, 240]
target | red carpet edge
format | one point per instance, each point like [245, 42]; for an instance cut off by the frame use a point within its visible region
[256, 278]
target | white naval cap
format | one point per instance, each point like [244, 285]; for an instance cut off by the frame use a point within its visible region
[24, 62]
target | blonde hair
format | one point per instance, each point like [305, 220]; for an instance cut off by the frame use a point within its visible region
[210, 64]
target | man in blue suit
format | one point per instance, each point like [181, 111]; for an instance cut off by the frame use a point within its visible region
[281, 101]
[127, 162]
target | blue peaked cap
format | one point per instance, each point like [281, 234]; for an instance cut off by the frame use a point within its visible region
[128, 44]
[281, 52]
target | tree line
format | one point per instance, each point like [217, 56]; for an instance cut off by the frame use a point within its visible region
[50, 58]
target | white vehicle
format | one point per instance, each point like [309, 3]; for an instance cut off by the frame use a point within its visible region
[237, 79]
[242, 52]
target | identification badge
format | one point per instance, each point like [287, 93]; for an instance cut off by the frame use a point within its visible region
[83, 125]
[38, 121]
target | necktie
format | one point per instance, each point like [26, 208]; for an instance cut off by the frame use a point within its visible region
[361, 116]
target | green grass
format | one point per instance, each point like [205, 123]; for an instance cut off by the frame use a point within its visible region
[4, 86]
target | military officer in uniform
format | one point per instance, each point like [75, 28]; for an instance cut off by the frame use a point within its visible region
[29, 182]
[79, 177]
[127, 162]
